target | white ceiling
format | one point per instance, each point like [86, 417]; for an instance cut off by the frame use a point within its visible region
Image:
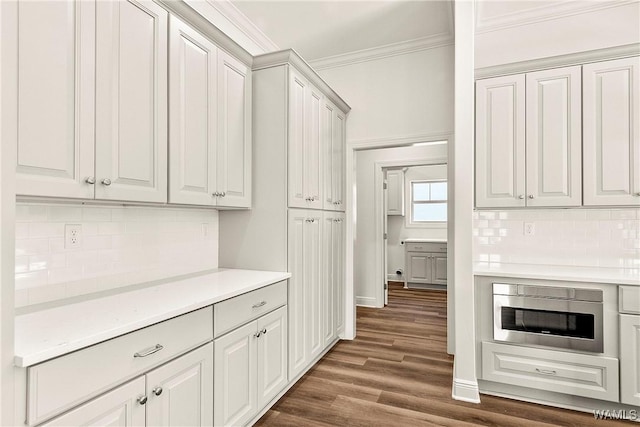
[321, 29]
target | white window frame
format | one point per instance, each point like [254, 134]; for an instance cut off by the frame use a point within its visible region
[410, 223]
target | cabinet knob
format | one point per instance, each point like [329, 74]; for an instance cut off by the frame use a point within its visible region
[106, 181]
[224, 193]
[90, 180]
[157, 391]
[142, 400]
[637, 194]
[531, 196]
[521, 196]
[257, 335]
[264, 331]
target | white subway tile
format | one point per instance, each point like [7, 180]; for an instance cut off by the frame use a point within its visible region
[65, 214]
[22, 264]
[47, 293]
[31, 246]
[94, 214]
[22, 230]
[31, 279]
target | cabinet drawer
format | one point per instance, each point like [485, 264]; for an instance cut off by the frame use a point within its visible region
[62, 383]
[563, 372]
[426, 247]
[629, 299]
[237, 311]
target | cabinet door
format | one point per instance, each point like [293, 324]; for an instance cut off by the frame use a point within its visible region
[328, 113]
[338, 237]
[272, 355]
[500, 142]
[234, 376]
[611, 126]
[180, 393]
[328, 277]
[554, 140]
[338, 148]
[55, 110]
[297, 292]
[131, 101]
[313, 149]
[439, 269]
[192, 116]
[298, 90]
[630, 359]
[419, 266]
[395, 192]
[234, 132]
[312, 256]
[116, 408]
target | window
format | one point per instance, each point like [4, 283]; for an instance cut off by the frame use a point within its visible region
[428, 202]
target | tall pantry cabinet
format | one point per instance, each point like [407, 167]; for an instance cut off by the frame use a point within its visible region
[297, 221]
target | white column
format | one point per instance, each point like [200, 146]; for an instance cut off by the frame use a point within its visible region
[465, 383]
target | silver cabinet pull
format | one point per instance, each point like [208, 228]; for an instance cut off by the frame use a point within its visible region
[260, 304]
[142, 400]
[147, 351]
[521, 196]
[90, 180]
[224, 193]
[216, 194]
[106, 182]
[257, 335]
[531, 196]
[546, 371]
[157, 391]
[264, 331]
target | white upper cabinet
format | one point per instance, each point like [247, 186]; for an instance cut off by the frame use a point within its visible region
[56, 82]
[332, 143]
[338, 166]
[234, 132]
[395, 192]
[192, 115]
[611, 132]
[131, 101]
[500, 142]
[305, 143]
[554, 137]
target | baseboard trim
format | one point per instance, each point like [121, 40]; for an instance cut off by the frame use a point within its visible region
[366, 301]
[427, 286]
[465, 390]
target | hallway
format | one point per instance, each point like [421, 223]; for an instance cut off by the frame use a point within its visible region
[397, 373]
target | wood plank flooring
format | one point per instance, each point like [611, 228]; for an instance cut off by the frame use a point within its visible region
[397, 373]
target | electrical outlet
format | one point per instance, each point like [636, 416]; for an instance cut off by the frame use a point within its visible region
[529, 228]
[72, 236]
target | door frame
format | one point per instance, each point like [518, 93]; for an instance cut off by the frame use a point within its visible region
[351, 216]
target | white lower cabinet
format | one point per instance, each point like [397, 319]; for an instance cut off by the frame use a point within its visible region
[250, 368]
[179, 393]
[559, 371]
[630, 359]
[426, 263]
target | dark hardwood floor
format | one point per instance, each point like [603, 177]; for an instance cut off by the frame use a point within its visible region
[397, 373]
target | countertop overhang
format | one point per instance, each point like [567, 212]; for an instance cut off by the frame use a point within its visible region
[43, 335]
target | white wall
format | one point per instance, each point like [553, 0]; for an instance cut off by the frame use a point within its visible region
[519, 31]
[365, 255]
[398, 96]
[120, 246]
[397, 226]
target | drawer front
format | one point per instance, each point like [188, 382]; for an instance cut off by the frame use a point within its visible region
[629, 299]
[62, 383]
[237, 311]
[426, 247]
[563, 372]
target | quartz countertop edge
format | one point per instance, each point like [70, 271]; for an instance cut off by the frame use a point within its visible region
[50, 333]
[421, 240]
[612, 275]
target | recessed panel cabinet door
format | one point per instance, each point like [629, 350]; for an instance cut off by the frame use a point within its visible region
[192, 115]
[439, 269]
[313, 150]
[312, 257]
[329, 273]
[298, 89]
[500, 142]
[180, 393]
[328, 112]
[611, 132]
[131, 101]
[234, 132]
[117, 408]
[630, 359]
[56, 69]
[554, 137]
[297, 292]
[338, 165]
[272, 355]
[395, 192]
[419, 265]
[235, 377]
[338, 238]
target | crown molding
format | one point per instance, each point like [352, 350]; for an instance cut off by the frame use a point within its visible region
[579, 58]
[291, 57]
[386, 51]
[560, 9]
[243, 24]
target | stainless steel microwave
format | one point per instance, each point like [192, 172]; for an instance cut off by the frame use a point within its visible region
[562, 317]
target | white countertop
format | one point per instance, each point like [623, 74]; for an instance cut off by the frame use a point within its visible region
[621, 276]
[418, 240]
[53, 332]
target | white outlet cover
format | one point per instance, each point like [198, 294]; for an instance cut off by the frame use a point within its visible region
[72, 236]
[529, 228]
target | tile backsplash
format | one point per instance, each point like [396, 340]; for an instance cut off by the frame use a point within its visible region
[567, 237]
[119, 246]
